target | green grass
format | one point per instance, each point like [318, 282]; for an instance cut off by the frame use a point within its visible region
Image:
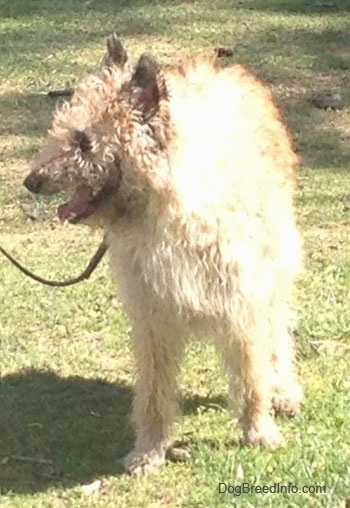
[66, 368]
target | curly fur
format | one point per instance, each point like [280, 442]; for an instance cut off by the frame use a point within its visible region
[201, 228]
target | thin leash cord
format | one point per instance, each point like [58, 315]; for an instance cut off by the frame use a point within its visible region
[93, 263]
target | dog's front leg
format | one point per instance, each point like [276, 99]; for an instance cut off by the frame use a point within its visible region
[157, 350]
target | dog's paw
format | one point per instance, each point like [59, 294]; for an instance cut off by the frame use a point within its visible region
[263, 433]
[138, 464]
[178, 451]
[287, 401]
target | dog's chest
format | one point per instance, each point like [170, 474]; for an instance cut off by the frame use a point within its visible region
[159, 267]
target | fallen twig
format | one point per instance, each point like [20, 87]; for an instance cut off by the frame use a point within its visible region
[33, 460]
[61, 92]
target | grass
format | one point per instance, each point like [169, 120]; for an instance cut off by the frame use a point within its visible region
[66, 369]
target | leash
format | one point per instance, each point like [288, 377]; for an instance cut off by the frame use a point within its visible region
[93, 263]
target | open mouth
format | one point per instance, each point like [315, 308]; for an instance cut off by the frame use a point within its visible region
[83, 203]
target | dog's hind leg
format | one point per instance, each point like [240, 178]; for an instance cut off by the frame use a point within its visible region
[259, 428]
[287, 393]
[158, 350]
[247, 355]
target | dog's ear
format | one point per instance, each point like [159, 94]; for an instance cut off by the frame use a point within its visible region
[116, 54]
[82, 141]
[147, 82]
[146, 70]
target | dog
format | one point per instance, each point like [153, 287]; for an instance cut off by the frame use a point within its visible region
[190, 170]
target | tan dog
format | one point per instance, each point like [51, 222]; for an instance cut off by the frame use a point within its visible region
[190, 171]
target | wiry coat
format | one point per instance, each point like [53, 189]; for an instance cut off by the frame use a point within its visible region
[199, 171]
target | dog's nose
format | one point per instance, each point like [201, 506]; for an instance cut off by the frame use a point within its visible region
[33, 182]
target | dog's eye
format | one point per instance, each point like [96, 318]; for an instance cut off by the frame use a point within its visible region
[82, 141]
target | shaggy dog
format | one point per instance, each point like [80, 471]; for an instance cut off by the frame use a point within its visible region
[190, 171]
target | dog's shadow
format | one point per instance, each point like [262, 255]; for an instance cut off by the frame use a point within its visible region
[64, 430]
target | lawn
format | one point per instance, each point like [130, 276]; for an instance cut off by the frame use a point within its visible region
[66, 367]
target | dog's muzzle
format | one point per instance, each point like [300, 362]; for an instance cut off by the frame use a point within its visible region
[39, 184]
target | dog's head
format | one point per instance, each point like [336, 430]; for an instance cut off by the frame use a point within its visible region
[111, 135]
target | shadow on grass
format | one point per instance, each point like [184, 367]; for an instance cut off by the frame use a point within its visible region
[298, 6]
[19, 113]
[11, 9]
[71, 7]
[29, 38]
[65, 431]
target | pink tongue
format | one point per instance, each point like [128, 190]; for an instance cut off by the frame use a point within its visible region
[78, 205]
